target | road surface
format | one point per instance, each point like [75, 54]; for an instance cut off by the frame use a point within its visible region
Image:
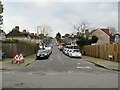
[60, 71]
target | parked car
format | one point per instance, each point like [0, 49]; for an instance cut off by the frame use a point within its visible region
[65, 51]
[69, 51]
[42, 54]
[75, 53]
[60, 48]
[49, 50]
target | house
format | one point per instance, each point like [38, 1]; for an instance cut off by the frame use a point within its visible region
[70, 38]
[103, 35]
[117, 38]
[16, 34]
[2, 35]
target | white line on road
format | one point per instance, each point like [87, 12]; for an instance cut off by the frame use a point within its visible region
[60, 59]
[83, 67]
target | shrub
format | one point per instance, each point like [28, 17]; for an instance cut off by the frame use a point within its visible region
[11, 41]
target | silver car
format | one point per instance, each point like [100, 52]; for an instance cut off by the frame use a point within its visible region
[41, 54]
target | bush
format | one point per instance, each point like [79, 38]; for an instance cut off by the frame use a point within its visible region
[11, 41]
[85, 41]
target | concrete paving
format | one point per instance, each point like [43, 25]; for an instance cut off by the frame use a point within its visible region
[7, 65]
[103, 63]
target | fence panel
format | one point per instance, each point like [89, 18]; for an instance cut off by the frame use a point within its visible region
[103, 51]
[12, 49]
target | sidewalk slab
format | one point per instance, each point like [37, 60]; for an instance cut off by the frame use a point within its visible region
[103, 63]
[7, 65]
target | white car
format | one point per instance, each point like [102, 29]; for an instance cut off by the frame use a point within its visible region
[65, 51]
[75, 53]
[49, 50]
[69, 51]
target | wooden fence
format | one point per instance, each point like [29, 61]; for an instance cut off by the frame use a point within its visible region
[103, 51]
[12, 49]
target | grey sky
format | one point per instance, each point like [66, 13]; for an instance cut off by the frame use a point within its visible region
[59, 15]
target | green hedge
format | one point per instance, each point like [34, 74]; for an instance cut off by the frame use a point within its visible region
[11, 41]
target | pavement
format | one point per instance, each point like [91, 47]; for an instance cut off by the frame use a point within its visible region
[6, 63]
[111, 65]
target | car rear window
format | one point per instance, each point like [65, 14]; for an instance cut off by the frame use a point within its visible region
[42, 51]
[76, 51]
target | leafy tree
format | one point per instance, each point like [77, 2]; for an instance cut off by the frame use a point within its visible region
[58, 37]
[94, 39]
[1, 11]
[85, 41]
[112, 38]
[81, 41]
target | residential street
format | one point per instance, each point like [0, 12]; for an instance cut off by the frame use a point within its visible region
[60, 71]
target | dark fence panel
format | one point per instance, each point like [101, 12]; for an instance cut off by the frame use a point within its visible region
[12, 49]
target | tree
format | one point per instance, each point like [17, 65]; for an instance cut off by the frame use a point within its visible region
[81, 27]
[113, 31]
[1, 11]
[80, 41]
[86, 41]
[44, 29]
[58, 37]
[94, 39]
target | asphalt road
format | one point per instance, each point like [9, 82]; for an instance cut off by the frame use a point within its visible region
[60, 71]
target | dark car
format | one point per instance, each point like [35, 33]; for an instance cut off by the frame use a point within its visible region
[42, 54]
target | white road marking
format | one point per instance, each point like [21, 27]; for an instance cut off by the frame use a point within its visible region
[83, 67]
[60, 59]
[70, 71]
[79, 63]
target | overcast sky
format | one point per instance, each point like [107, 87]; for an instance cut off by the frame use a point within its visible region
[59, 15]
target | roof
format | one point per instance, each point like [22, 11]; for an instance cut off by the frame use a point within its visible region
[14, 33]
[117, 35]
[92, 31]
[106, 31]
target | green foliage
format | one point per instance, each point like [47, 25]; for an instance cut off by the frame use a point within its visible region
[1, 7]
[94, 39]
[11, 41]
[1, 11]
[86, 41]
[58, 37]
[112, 38]
[81, 41]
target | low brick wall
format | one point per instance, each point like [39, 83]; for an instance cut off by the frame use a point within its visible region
[11, 49]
